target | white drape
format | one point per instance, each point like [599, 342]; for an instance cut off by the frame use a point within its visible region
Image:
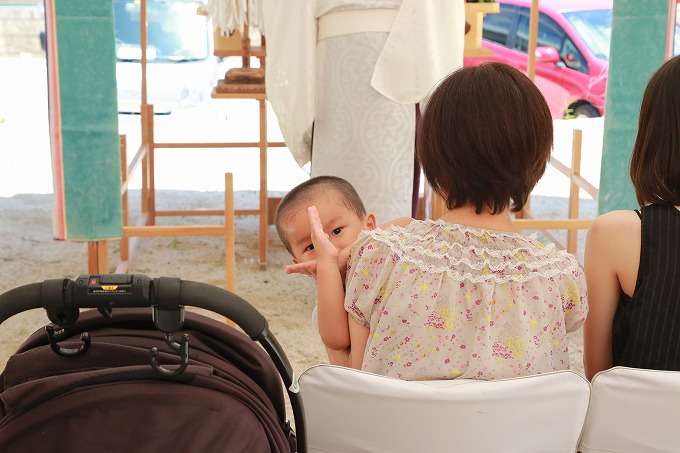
[232, 15]
[425, 44]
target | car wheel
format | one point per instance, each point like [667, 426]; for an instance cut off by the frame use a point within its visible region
[586, 111]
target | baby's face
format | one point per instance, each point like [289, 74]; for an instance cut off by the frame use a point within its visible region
[341, 224]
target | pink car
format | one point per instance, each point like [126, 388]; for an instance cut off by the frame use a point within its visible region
[571, 55]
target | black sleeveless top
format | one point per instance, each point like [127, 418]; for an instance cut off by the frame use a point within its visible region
[646, 330]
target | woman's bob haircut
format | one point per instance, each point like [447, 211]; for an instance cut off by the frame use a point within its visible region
[485, 138]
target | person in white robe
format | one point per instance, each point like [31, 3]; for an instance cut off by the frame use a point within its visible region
[344, 78]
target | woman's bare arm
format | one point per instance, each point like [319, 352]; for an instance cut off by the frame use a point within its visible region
[612, 256]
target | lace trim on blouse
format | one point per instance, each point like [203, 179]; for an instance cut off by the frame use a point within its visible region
[471, 253]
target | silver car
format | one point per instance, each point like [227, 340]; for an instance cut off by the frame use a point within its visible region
[181, 68]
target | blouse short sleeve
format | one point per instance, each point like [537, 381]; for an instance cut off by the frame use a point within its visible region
[366, 278]
[575, 300]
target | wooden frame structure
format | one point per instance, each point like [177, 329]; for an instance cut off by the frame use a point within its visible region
[145, 159]
[474, 16]
[146, 223]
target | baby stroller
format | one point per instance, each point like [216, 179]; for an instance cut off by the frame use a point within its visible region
[138, 373]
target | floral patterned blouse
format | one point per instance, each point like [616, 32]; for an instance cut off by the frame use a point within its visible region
[446, 301]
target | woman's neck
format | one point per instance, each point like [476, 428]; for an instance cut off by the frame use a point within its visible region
[466, 215]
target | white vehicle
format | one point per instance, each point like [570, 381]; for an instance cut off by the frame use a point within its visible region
[181, 69]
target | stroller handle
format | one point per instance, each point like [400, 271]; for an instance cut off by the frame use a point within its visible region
[63, 299]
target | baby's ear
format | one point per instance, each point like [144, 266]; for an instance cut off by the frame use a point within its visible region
[370, 221]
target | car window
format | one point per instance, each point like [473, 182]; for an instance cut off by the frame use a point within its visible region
[595, 28]
[549, 32]
[497, 26]
[522, 37]
[174, 31]
[573, 58]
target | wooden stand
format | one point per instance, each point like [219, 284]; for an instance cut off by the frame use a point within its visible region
[474, 15]
[248, 83]
[257, 93]
[145, 225]
[235, 45]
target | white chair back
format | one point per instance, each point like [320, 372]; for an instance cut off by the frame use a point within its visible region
[633, 410]
[353, 411]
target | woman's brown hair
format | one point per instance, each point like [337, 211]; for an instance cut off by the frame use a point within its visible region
[485, 138]
[655, 161]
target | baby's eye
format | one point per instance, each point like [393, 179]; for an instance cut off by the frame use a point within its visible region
[336, 231]
[309, 248]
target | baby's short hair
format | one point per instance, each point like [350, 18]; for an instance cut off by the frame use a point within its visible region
[333, 187]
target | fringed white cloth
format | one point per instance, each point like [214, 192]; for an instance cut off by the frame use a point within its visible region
[234, 15]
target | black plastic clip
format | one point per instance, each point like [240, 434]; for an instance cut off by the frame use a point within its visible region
[54, 339]
[181, 348]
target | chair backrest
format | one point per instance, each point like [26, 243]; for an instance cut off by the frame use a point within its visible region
[633, 410]
[353, 411]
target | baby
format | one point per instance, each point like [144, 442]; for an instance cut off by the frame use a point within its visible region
[341, 215]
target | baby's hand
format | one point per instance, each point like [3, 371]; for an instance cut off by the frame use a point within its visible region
[325, 250]
[343, 258]
[307, 268]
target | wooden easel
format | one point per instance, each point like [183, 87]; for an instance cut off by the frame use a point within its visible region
[146, 223]
[248, 83]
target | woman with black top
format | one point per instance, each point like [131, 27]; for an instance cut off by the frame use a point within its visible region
[632, 258]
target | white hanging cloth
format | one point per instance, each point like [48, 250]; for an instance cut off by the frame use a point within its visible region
[233, 15]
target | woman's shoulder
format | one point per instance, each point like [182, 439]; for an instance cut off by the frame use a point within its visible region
[613, 236]
[620, 222]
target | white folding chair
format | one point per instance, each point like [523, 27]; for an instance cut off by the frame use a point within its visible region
[633, 410]
[353, 411]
